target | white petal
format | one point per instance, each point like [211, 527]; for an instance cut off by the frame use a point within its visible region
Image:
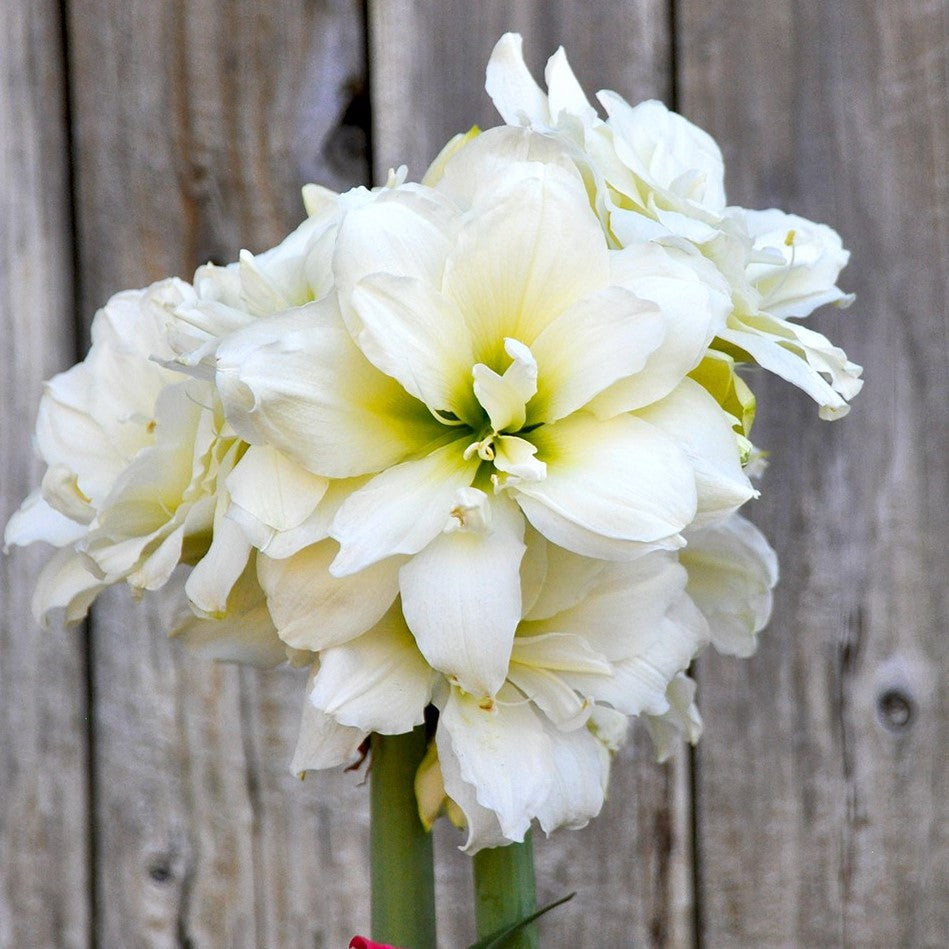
[323, 742]
[581, 772]
[504, 397]
[800, 356]
[525, 254]
[404, 232]
[567, 580]
[65, 584]
[620, 478]
[812, 256]
[299, 383]
[213, 577]
[484, 829]
[516, 458]
[415, 335]
[313, 609]
[694, 301]
[513, 90]
[732, 571]
[681, 718]
[377, 682]
[662, 147]
[402, 509]
[503, 751]
[565, 92]
[37, 521]
[273, 489]
[462, 599]
[692, 419]
[604, 337]
[243, 632]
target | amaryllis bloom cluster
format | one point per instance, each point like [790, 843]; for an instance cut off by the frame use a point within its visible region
[472, 449]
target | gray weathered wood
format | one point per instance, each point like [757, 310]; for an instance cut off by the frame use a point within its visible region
[822, 814]
[428, 61]
[44, 810]
[632, 867]
[196, 124]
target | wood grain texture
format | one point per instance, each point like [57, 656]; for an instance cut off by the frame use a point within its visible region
[822, 812]
[44, 808]
[428, 61]
[631, 867]
[196, 124]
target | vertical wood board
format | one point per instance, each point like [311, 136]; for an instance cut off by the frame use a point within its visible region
[44, 809]
[196, 124]
[820, 816]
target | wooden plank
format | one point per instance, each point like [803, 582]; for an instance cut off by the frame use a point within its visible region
[821, 808]
[196, 125]
[428, 62]
[44, 840]
[632, 867]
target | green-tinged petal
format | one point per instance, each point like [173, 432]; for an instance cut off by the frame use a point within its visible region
[621, 479]
[314, 610]
[504, 397]
[412, 333]
[323, 742]
[462, 597]
[532, 250]
[604, 337]
[692, 419]
[298, 383]
[377, 682]
[716, 374]
[402, 509]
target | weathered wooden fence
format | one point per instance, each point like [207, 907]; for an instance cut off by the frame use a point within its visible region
[144, 795]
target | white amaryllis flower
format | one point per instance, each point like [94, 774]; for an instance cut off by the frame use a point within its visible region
[486, 363]
[656, 176]
[131, 449]
[600, 641]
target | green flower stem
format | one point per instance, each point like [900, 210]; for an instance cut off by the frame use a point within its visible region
[505, 892]
[402, 874]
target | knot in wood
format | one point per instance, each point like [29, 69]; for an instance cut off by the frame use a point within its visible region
[896, 709]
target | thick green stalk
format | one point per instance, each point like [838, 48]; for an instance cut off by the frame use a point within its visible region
[402, 875]
[505, 892]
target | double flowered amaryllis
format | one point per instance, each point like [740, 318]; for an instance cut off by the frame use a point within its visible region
[657, 177]
[471, 449]
[487, 365]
